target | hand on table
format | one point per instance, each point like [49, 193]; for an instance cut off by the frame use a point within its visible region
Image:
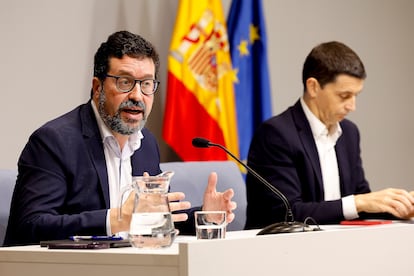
[397, 202]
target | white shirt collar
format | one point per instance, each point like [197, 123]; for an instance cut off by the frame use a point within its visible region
[318, 128]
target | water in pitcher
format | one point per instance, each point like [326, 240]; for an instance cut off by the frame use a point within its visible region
[151, 230]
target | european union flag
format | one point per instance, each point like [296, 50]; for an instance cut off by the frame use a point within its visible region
[247, 38]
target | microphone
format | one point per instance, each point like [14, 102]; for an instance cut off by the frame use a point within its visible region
[287, 226]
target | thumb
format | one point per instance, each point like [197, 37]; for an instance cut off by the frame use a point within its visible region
[212, 183]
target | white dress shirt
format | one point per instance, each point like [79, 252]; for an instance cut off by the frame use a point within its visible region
[325, 144]
[118, 163]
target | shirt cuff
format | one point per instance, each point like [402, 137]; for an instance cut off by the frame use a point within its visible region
[108, 223]
[348, 208]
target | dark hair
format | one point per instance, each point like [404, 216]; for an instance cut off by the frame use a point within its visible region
[123, 43]
[328, 60]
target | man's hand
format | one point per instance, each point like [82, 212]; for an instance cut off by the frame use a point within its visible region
[178, 205]
[397, 202]
[218, 201]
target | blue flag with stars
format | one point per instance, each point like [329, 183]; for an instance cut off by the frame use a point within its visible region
[247, 38]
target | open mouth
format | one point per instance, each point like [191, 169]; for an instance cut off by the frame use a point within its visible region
[133, 111]
[133, 115]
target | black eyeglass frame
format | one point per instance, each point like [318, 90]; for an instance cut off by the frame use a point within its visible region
[156, 84]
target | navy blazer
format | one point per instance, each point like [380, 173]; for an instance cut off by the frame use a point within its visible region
[62, 184]
[284, 152]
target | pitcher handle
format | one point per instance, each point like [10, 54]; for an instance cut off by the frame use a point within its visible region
[121, 199]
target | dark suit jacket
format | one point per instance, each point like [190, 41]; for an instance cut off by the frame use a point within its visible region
[62, 184]
[284, 152]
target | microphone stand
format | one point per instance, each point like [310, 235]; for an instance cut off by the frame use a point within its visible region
[287, 226]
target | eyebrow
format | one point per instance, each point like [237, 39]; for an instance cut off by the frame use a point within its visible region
[126, 73]
[349, 92]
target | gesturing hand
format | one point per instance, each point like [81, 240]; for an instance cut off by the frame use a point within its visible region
[218, 201]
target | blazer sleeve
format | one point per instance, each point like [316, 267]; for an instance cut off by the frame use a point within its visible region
[58, 192]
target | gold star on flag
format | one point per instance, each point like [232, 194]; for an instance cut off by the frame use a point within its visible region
[243, 48]
[233, 73]
[254, 34]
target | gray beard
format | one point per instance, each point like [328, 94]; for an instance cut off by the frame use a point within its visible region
[115, 122]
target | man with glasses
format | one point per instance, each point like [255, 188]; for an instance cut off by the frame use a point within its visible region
[73, 168]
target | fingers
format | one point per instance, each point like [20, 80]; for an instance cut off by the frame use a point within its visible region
[176, 196]
[212, 183]
[179, 205]
[230, 217]
[176, 203]
[229, 205]
[401, 203]
[397, 202]
[179, 217]
[232, 205]
[228, 194]
[404, 196]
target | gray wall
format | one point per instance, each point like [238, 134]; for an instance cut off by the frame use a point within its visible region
[47, 51]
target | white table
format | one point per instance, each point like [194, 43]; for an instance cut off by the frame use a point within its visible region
[368, 250]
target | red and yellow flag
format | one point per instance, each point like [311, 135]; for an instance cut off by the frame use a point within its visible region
[200, 98]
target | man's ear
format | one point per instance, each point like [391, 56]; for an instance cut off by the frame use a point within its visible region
[96, 87]
[312, 87]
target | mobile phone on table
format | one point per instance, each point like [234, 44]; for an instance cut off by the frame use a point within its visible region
[75, 245]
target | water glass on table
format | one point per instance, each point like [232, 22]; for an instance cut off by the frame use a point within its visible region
[210, 224]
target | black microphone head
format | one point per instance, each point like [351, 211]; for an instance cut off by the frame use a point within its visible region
[199, 142]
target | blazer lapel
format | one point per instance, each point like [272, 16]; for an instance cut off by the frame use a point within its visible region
[93, 141]
[305, 134]
[343, 165]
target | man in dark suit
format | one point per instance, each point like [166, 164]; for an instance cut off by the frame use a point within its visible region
[73, 168]
[311, 153]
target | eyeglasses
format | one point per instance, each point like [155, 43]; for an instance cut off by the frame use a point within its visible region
[125, 84]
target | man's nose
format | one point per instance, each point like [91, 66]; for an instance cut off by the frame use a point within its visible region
[351, 104]
[136, 93]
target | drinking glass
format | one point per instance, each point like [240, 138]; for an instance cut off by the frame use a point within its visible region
[210, 224]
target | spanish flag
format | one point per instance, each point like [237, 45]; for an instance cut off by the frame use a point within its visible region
[200, 99]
